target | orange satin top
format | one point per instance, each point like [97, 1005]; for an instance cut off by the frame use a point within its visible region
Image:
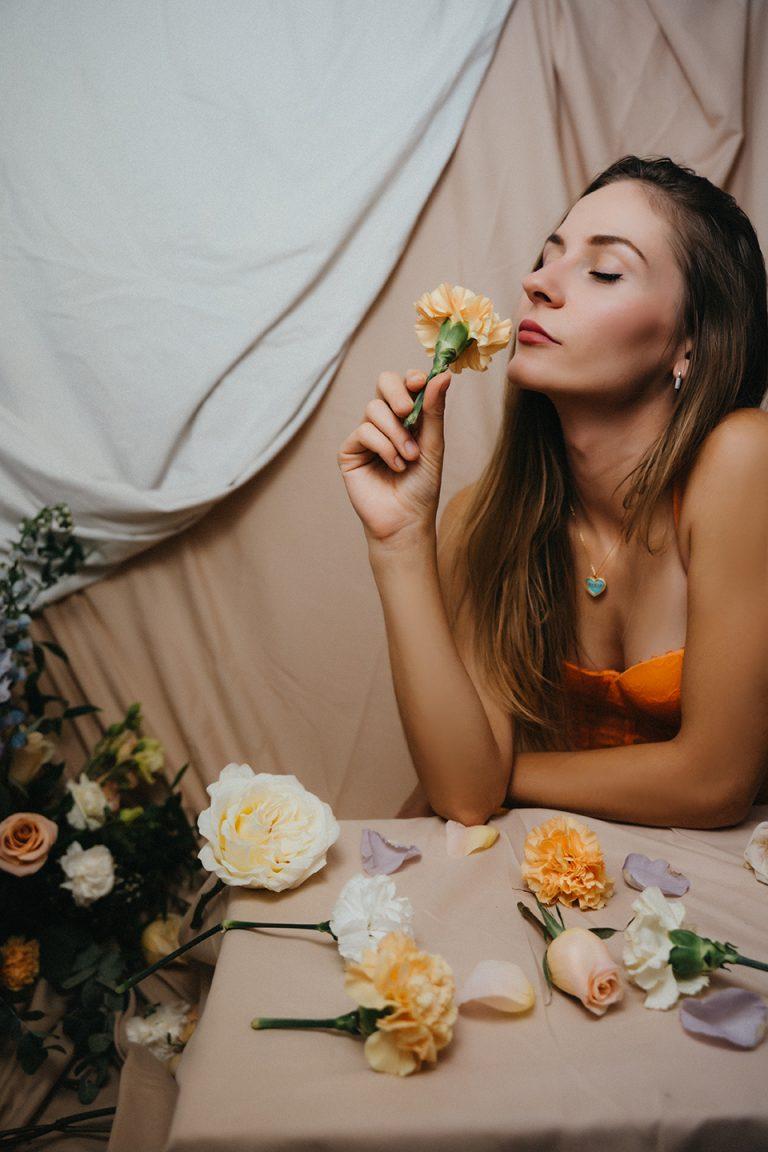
[637, 706]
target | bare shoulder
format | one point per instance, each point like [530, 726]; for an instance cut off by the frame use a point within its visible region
[735, 453]
[731, 467]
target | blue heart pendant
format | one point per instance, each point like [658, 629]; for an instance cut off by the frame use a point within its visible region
[595, 585]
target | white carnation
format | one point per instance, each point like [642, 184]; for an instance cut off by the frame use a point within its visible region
[90, 874]
[647, 947]
[90, 800]
[367, 909]
[161, 1030]
[264, 831]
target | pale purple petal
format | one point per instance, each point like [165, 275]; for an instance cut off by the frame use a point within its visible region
[641, 872]
[381, 857]
[735, 1015]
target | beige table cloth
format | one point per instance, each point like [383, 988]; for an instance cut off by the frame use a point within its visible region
[557, 1077]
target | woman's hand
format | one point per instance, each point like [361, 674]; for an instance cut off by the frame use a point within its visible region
[393, 478]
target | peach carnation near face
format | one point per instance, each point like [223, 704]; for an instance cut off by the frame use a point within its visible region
[488, 334]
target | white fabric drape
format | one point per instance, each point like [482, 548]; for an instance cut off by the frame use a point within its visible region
[201, 201]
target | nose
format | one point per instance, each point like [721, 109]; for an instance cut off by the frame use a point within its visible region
[542, 286]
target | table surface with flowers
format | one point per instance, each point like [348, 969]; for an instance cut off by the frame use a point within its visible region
[615, 1055]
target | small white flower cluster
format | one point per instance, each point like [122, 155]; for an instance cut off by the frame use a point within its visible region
[161, 1030]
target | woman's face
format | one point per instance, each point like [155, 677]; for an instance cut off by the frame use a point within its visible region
[615, 336]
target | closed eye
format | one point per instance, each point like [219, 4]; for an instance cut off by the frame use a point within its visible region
[607, 275]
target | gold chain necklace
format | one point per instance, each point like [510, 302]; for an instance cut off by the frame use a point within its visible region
[595, 584]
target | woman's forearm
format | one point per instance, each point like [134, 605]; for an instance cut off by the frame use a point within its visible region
[654, 784]
[454, 751]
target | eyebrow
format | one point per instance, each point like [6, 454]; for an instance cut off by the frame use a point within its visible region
[598, 241]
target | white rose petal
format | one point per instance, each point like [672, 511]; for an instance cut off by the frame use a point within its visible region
[756, 852]
[264, 831]
[90, 874]
[90, 800]
[367, 909]
[161, 1030]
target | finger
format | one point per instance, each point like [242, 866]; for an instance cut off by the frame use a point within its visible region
[374, 439]
[379, 413]
[397, 390]
[431, 437]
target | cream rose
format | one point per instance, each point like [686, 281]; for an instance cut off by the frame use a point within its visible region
[264, 831]
[89, 802]
[26, 762]
[581, 965]
[26, 839]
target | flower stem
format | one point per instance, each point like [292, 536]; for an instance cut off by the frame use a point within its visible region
[223, 926]
[350, 1023]
[750, 963]
[197, 917]
[12, 1137]
[526, 912]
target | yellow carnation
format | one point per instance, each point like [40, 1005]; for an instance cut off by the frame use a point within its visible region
[19, 962]
[487, 334]
[418, 988]
[563, 861]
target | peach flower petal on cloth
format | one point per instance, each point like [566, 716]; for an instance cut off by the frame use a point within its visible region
[461, 840]
[500, 984]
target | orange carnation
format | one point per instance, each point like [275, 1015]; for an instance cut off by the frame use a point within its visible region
[564, 862]
[487, 334]
[19, 962]
[419, 990]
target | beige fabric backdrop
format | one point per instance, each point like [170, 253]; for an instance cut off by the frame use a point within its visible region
[257, 636]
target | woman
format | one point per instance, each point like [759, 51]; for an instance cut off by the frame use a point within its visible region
[537, 641]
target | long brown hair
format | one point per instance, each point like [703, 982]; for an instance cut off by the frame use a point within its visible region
[511, 553]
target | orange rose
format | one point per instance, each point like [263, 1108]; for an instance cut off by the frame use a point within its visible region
[563, 861]
[26, 839]
[581, 965]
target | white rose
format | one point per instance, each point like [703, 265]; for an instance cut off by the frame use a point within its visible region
[161, 1031]
[647, 947]
[756, 852]
[90, 874]
[90, 800]
[264, 831]
[367, 909]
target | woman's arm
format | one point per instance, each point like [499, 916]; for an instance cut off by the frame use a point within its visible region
[709, 774]
[460, 742]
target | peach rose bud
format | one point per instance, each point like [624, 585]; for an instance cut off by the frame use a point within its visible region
[26, 839]
[581, 965]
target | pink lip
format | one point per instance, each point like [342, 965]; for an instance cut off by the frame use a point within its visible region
[529, 332]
